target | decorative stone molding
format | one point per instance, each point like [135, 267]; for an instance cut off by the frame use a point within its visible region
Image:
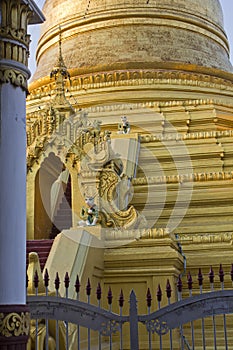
[188, 136]
[14, 38]
[15, 45]
[14, 77]
[134, 77]
[16, 34]
[196, 177]
[225, 237]
[129, 235]
[14, 42]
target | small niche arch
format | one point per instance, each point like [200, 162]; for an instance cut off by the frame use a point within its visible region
[47, 223]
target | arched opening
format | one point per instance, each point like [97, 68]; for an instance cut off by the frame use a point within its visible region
[61, 204]
[49, 199]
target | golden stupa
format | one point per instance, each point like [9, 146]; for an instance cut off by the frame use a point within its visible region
[164, 65]
[146, 48]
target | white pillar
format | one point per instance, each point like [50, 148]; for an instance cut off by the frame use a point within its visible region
[12, 195]
[14, 46]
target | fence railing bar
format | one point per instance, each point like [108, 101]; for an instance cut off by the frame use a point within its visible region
[57, 334]
[203, 333]
[77, 289]
[99, 340]
[46, 334]
[169, 293]
[110, 310]
[78, 337]
[179, 292]
[182, 337]
[214, 329]
[159, 299]
[88, 291]
[211, 278]
[98, 295]
[193, 336]
[149, 332]
[57, 284]
[149, 299]
[225, 331]
[186, 343]
[170, 332]
[121, 303]
[46, 283]
[121, 332]
[78, 329]
[160, 335]
[67, 282]
[221, 277]
[200, 282]
[133, 319]
[190, 287]
[110, 336]
[36, 284]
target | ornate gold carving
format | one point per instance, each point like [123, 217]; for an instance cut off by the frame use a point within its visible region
[189, 136]
[123, 234]
[77, 139]
[111, 187]
[196, 177]
[157, 233]
[14, 77]
[138, 77]
[14, 324]
[225, 237]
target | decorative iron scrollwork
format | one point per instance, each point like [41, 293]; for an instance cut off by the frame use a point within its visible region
[109, 328]
[14, 324]
[156, 326]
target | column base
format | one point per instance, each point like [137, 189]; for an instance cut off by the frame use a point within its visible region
[14, 327]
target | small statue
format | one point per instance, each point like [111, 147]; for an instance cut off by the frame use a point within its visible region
[124, 126]
[89, 214]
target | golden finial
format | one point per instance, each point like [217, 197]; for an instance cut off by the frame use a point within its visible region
[60, 66]
[60, 72]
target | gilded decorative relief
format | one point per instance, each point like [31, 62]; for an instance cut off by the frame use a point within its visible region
[14, 324]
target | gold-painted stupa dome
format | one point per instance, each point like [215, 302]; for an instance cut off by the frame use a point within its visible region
[148, 46]
[116, 34]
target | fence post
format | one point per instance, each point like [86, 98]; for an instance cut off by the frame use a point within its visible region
[133, 320]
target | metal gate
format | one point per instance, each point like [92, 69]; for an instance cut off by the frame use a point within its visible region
[199, 321]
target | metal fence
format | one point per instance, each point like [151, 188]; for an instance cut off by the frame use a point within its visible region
[200, 321]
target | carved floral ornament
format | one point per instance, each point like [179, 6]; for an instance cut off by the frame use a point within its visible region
[16, 34]
[135, 77]
[14, 324]
[14, 77]
[14, 19]
[14, 42]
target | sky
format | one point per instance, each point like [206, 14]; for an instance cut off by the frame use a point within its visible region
[227, 6]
